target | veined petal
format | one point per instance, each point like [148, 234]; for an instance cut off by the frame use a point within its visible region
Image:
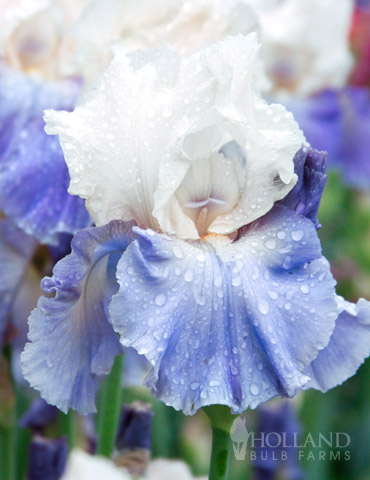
[154, 119]
[33, 175]
[339, 122]
[349, 346]
[71, 337]
[16, 250]
[227, 323]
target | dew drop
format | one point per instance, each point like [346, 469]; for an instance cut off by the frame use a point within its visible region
[188, 275]
[177, 252]
[160, 299]
[297, 235]
[263, 307]
[214, 383]
[273, 294]
[271, 244]
[254, 389]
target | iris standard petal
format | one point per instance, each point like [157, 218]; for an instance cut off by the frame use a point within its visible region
[154, 120]
[227, 323]
[349, 346]
[339, 122]
[33, 175]
[16, 250]
[71, 339]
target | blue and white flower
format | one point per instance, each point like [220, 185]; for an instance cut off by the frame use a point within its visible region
[305, 44]
[33, 175]
[221, 284]
[307, 56]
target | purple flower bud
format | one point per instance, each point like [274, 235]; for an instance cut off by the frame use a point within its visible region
[135, 427]
[39, 415]
[47, 458]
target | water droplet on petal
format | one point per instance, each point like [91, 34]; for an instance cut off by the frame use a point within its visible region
[263, 307]
[271, 244]
[305, 288]
[254, 389]
[160, 299]
[188, 275]
[297, 235]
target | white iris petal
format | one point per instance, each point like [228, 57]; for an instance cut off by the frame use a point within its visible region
[136, 24]
[151, 140]
[305, 43]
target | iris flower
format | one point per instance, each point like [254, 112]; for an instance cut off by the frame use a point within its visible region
[205, 258]
[33, 175]
[309, 69]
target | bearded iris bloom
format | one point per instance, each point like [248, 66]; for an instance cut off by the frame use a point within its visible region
[310, 69]
[33, 175]
[205, 258]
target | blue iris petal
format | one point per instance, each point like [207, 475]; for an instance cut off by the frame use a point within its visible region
[310, 167]
[16, 250]
[33, 175]
[71, 337]
[233, 324]
[349, 346]
[339, 122]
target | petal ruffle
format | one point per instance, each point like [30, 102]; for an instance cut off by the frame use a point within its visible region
[349, 346]
[339, 123]
[71, 337]
[16, 250]
[227, 323]
[185, 110]
[33, 175]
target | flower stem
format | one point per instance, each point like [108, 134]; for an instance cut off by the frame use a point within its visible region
[220, 458]
[8, 418]
[221, 421]
[7, 447]
[67, 427]
[110, 405]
